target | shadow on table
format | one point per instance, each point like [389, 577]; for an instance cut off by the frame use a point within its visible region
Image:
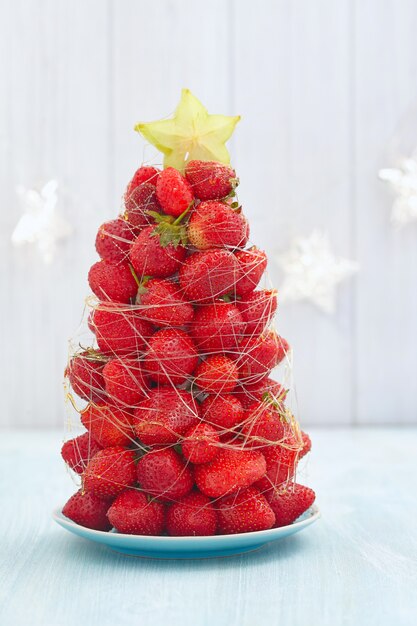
[72, 548]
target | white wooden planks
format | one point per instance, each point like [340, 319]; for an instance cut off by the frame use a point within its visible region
[293, 151]
[386, 302]
[320, 86]
[57, 125]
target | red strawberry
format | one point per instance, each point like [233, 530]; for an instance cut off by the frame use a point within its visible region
[251, 265]
[264, 423]
[200, 443]
[209, 274]
[215, 224]
[259, 356]
[110, 472]
[257, 310]
[114, 239]
[230, 471]
[85, 373]
[125, 381]
[165, 416]
[222, 411]
[151, 255]
[133, 514]
[119, 329]
[77, 452]
[163, 304]
[248, 394]
[108, 424]
[145, 174]
[193, 515]
[210, 180]
[87, 510]
[174, 192]
[164, 475]
[112, 281]
[138, 203]
[306, 444]
[231, 439]
[217, 327]
[217, 374]
[171, 357]
[244, 512]
[289, 502]
[281, 460]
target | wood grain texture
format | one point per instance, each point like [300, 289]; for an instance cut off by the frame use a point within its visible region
[320, 86]
[357, 565]
[57, 125]
[386, 310]
[295, 171]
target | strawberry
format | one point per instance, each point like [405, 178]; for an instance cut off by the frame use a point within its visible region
[193, 515]
[133, 514]
[153, 255]
[77, 452]
[125, 381]
[108, 424]
[145, 174]
[217, 327]
[251, 265]
[207, 275]
[110, 472]
[171, 357]
[174, 192]
[259, 356]
[231, 438]
[306, 444]
[243, 512]
[114, 239]
[112, 281]
[217, 374]
[85, 374]
[138, 203]
[163, 474]
[281, 460]
[230, 470]
[165, 416]
[265, 423]
[257, 310]
[289, 502]
[119, 329]
[87, 510]
[163, 304]
[201, 443]
[215, 224]
[248, 394]
[210, 180]
[223, 411]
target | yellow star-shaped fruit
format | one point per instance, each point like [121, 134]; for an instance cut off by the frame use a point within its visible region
[191, 134]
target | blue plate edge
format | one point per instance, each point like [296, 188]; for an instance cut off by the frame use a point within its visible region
[188, 543]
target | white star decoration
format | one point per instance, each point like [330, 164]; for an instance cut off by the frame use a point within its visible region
[41, 224]
[312, 272]
[403, 182]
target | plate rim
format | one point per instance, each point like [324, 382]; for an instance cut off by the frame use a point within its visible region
[314, 514]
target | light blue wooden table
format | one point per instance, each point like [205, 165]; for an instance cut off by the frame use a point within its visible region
[356, 566]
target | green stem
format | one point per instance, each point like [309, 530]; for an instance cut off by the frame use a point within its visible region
[180, 217]
[134, 275]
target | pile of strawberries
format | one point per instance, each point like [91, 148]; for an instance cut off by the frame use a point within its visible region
[186, 434]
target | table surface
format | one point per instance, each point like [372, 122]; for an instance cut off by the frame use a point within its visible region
[356, 566]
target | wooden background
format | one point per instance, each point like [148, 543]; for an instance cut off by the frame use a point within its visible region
[322, 87]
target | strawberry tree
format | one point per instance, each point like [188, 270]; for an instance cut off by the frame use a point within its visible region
[186, 433]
